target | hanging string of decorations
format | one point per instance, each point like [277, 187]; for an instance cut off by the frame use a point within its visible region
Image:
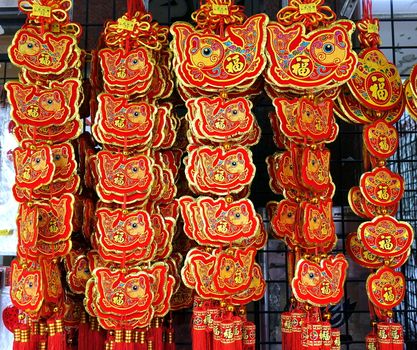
[310, 57]
[45, 108]
[375, 98]
[218, 64]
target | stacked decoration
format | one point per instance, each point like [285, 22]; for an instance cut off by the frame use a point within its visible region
[217, 64]
[133, 276]
[45, 105]
[310, 56]
[374, 97]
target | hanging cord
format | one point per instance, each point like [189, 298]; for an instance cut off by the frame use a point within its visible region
[134, 6]
[215, 14]
[368, 27]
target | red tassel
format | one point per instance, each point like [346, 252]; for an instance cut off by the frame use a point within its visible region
[249, 336]
[123, 343]
[83, 333]
[56, 335]
[34, 337]
[397, 336]
[286, 330]
[140, 340]
[43, 336]
[129, 344]
[237, 330]
[335, 339]
[98, 336]
[118, 344]
[157, 334]
[109, 342]
[16, 340]
[169, 336]
[297, 321]
[199, 334]
[227, 334]
[216, 343]
[313, 339]
[384, 336]
[24, 338]
[371, 341]
[326, 335]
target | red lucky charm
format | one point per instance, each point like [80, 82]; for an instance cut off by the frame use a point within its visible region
[320, 283]
[317, 224]
[123, 231]
[376, 82]
[220, 171]
[386, 288]
[27, 224]
[121, 176]
[215, 63]
[305, 120]
[121, 118]
[55, 219]
[315, 165]
[310, 56]
[34, 166]
[26, 292]
[121, 71]
[218, 222]
[37, 107]
[78, 275]
[131, 293]
[44, 54]
[134, 175]
[386, 237]
[381, 139]
[285, 219]
[220, 120]
[382, 187]
[218, 63]
[365, 258]
[324, 58]
[375, 97]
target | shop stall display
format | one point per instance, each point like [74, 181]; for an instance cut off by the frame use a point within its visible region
[129, 211]
[218, 64]
[375, 98]
[310, 56]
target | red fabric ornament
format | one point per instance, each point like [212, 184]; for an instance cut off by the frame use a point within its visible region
[227, 339]
[11, 317]
[326, 335]
[397, 336]
[34, 338]
[286, 330]
[157, 333]
[313, 331]
[56, 335]
[371, 341]
[216, 342]
[198, 333]
[335, 339]
[140, 341]
[384, 336]
[249, 336]
[83, 330]
[238, 332]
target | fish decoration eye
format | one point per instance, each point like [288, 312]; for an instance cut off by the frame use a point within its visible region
[206, 51]
[328, 48]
